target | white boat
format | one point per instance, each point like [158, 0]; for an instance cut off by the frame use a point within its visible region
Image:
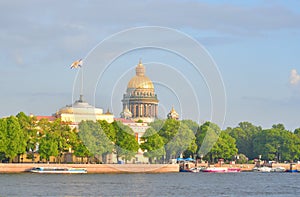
[59, 170]
[199, 169]
[262, 169]
[278, 169]
[221, 170]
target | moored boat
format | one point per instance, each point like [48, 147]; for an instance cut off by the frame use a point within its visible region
[262, 169]
[221, 170]
[293, 170]
[215, 170]
[233, 169]
[58, 170]
[278, 169]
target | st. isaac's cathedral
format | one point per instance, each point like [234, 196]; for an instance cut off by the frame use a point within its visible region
[140, 101]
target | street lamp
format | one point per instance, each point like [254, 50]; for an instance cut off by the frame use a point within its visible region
[237, 157]
[201, 157]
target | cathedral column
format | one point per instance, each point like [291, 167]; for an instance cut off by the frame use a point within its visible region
[137, 110]
[151, 110]
[130, 108]
[134, 111]
[141, 110]
[146, 110]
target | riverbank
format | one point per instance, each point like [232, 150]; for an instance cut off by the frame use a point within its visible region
[95, 168]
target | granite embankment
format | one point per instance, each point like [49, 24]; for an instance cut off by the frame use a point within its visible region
[95, 168]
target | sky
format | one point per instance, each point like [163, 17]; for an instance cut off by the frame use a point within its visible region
[254, 46]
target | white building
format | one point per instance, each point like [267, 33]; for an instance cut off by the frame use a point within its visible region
[81, 110]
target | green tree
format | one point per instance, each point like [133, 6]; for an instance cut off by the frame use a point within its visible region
[29, 127]
[278, 126]
[126, 145]
[277, 144]
[206, 136]
[87, 138]
[3, 139]
[167, 129]
[182, 141]
[224, 148]
[16, 142]
[153, 145]
[192, 125]
[108, 129]
[242, 158]
[61, 134]
[191, 151]
[81, 151]
[48, 146]
[177, 136]
[95, 139]
[297, 131]
[244, 135]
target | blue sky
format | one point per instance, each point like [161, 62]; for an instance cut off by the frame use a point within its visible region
[255, 45]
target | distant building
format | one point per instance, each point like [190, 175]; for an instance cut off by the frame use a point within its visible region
[126, 113]
[173, 114]
[140, 98]
[49, 118]
[80, 111]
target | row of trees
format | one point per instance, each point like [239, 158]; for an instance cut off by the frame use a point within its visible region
[24, 134]
[162, 141]
[275, 143]
[244, 142]
[169, 139]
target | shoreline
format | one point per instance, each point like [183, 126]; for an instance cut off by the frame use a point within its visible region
[95, 168]
[6, 168]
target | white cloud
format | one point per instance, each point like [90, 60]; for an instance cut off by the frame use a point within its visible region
[294, 77]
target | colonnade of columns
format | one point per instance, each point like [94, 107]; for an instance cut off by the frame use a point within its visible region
[143, 110]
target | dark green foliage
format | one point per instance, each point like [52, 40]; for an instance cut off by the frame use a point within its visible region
[213, 144]
[277, 144]
[244, 135]
[126, 145]
[3, 138]
[16, 141]
[164, 140]
[170, 138]
[153, 144]
[94, 137]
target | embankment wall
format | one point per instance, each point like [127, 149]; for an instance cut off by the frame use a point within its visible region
[96, 168]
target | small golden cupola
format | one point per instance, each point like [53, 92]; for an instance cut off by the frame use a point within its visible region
[173, 114]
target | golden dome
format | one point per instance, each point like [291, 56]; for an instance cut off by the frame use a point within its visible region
[140, 80]
[173, 114]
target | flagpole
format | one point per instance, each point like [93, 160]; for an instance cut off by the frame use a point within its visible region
[81, 90]
[78, 64]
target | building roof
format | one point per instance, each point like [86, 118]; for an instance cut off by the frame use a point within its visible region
[80, 107]
[123, 120]
[140, 80]
[50, 118]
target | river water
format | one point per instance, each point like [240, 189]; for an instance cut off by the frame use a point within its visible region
[174, 184]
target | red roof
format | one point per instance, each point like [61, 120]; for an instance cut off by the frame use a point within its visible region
[123, 120]
[50, 118]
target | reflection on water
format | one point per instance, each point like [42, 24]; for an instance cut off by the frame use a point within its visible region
[177, 184]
